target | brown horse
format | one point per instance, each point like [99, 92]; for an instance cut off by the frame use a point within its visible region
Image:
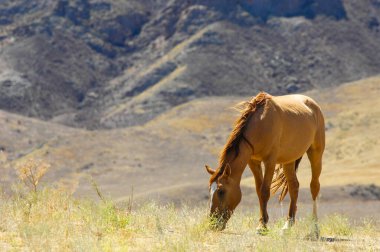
[271, 130]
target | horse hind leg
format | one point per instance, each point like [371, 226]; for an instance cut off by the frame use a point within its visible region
[293, 185]
[315, 157]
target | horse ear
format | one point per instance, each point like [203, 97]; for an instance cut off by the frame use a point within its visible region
[209, 170]
[227, 170]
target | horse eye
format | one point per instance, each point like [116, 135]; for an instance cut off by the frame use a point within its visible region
[221, 193]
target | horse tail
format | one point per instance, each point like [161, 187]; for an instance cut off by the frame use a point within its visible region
[280, 181]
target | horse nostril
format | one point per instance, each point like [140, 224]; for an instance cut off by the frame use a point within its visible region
[221, 194]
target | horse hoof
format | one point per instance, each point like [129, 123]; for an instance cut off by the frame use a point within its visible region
[287, 226]
[285, 231]
[313, 236]
[314, 233]
[262, 230]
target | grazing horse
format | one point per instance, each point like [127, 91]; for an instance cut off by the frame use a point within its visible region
[271, 130]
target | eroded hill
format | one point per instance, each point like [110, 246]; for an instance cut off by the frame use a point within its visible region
[107, 64]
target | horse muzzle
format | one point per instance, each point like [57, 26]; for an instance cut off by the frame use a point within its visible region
[218, 221]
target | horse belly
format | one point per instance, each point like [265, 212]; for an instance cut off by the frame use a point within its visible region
[297, 137]
[292, 152]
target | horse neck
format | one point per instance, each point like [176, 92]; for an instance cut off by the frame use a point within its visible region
[240, 162]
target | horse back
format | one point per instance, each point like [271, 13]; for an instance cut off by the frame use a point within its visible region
[287, 125]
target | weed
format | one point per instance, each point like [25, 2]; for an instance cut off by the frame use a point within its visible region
[31, 171]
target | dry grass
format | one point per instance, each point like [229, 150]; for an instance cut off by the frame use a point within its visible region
[53, 220]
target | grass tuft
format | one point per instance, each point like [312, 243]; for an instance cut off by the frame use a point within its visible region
[336, 225]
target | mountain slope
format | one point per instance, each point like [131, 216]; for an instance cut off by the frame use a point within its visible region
[107, 64]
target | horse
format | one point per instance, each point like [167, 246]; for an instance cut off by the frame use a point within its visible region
[272, 130]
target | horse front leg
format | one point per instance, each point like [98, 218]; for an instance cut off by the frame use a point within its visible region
[265, 193]
[293, 185]
[257, 172]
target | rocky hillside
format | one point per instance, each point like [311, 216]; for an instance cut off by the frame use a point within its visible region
[107, 64]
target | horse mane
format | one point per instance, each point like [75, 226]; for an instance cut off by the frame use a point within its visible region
[246, 109]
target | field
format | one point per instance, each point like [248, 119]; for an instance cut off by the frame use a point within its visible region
[52, 220]
[161, 164]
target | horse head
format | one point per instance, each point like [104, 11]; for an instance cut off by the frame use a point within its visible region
[225, 195]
